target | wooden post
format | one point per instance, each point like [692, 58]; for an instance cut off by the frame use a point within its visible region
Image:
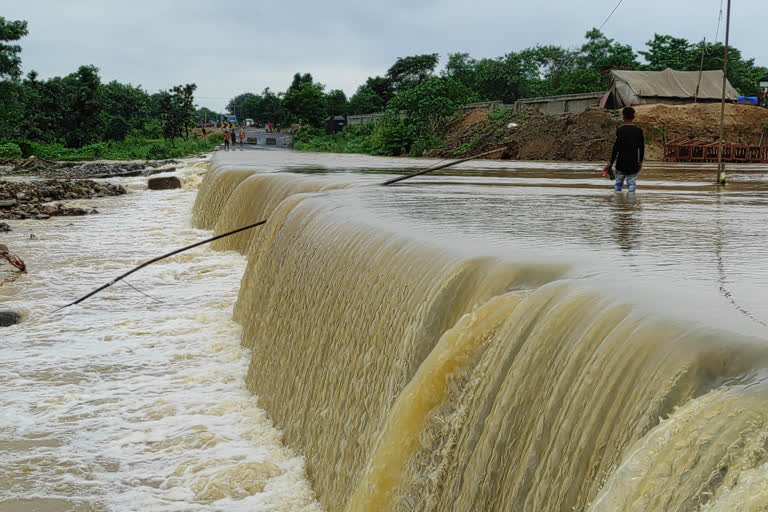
[701, 70]
[720, 164]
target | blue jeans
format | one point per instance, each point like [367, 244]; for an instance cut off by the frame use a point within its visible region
[631, 181]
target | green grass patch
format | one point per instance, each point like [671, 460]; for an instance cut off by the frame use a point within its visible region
[132, 148]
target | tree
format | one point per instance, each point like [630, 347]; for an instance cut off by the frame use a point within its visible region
[84, 124]
[236, 105]
[177, 111]
[372, 96]
[601, 54]
[336, 103]
[429, 105]
[205, 114]
[11, 108]
[461, 67]
[305, 103]
[124, 101]
[10, 60]
[408, 72]
[665, 51]
[271, 108]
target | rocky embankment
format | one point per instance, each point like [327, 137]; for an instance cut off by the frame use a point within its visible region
[42, 168]
[41, 199]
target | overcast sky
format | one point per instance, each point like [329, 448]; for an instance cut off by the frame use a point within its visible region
[227, 48]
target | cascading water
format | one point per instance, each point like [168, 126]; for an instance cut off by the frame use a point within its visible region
[414, 375]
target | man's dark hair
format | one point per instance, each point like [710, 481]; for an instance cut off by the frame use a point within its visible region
[628, 113]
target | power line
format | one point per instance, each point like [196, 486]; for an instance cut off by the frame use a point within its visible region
[609, 16]
[719, 21]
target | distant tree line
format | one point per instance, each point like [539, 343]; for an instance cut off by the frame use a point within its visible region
[78, 109]
[542, 70]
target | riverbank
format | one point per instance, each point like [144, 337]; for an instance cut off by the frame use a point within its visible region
[589, 135]
[533, 135]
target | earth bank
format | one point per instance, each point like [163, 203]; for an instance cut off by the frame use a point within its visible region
[589, 135]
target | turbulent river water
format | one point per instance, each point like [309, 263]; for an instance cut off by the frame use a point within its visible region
[502, 336]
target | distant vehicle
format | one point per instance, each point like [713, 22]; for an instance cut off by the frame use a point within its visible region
[230, 119]
[249, 122]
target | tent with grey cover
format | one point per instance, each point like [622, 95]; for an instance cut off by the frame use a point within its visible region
[668, 86]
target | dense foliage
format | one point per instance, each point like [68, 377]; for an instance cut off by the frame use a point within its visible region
[417, 102]
[78, 116]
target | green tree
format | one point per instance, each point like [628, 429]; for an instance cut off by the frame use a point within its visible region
[11, 108]
[83, 123]
[429, 105]
[665, 51]
[305, 103]
[271, 108]
[372, 96]
[461, 67]
[236, 105]
[177, 111]
[601, 54]
[10, 60]
[126, 102]
[408, 72]
[205, 114]
[336, 103]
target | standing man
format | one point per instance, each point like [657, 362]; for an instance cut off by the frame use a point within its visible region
[226, 140]
[628, 152]
[242, 138]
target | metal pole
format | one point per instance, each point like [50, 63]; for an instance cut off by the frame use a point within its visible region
[720, 164]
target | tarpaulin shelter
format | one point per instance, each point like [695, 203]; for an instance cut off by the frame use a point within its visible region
[668, 86]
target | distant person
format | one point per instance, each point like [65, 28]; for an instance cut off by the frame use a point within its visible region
[270, 128]
[628, 152]
[233, 138]
[226, 140]
[242, 139]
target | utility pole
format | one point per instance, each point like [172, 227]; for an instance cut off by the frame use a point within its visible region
[720, 164]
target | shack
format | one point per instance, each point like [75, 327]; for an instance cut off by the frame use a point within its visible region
[671, 87]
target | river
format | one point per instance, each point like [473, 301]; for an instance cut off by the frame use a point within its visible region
[502, 336]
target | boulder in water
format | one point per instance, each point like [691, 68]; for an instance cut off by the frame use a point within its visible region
[8, 318]
[164, 183]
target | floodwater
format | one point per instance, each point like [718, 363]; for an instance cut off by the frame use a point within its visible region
[498, 336]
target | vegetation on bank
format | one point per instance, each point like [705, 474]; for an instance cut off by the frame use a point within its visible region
[131, 148]
[77, 117]
[416, 121]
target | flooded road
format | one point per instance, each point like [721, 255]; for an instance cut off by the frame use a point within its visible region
[348, 300]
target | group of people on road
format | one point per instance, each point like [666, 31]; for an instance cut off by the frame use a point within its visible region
[230, 138]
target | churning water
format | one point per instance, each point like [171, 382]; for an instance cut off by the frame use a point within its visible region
[506, 336]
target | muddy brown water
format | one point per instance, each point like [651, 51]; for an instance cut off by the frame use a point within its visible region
[626, 331]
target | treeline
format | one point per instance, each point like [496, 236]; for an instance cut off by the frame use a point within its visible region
[543, 70]
[79, 116]
[413, 86]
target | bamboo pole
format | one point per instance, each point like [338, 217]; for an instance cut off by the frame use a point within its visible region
[153, 260]
[442, 166]
[720, 163]
[701, 70]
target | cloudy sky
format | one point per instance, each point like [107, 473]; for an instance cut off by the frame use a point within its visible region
[227, 48]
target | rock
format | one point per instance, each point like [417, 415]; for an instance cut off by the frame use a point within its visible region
[43, 216]
[164, 183]
[8, 318]
[4, 228]
[7, 203]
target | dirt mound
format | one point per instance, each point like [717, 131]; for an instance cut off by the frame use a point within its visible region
[589, 135]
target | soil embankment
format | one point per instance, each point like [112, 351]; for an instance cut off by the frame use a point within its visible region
[589, 135]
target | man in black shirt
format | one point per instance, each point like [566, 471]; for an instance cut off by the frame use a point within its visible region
[628, 151]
